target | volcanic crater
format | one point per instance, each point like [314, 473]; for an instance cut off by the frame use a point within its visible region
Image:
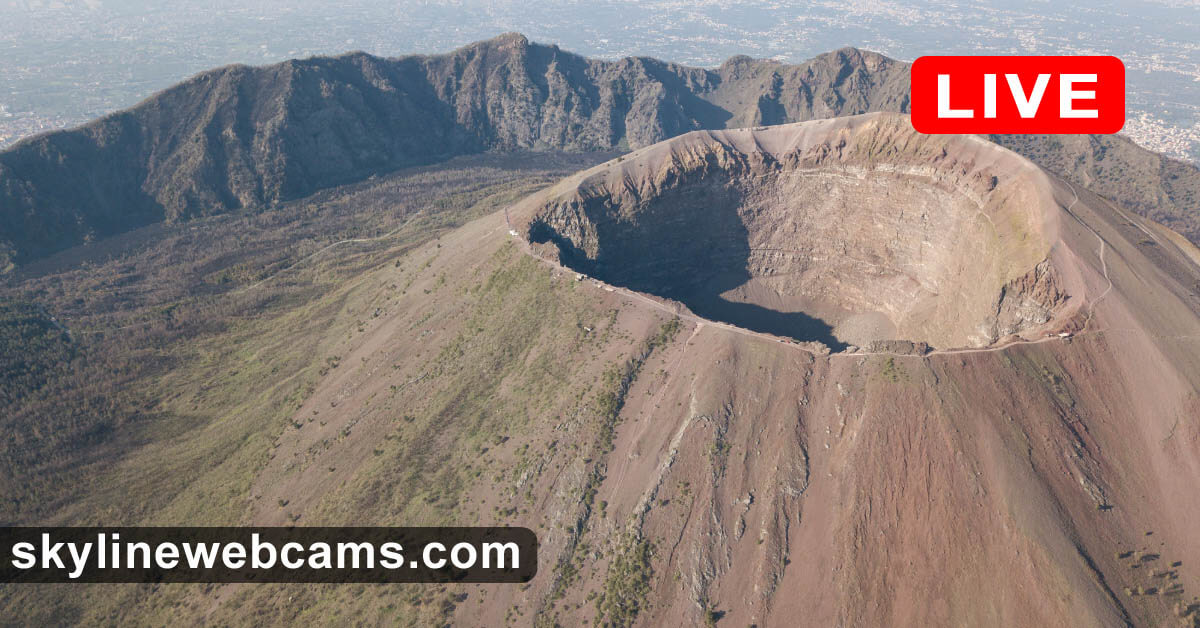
[851, 231]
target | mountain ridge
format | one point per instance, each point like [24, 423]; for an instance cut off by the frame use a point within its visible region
[242, 137]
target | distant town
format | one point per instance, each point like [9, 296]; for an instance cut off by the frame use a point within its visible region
[67, 62]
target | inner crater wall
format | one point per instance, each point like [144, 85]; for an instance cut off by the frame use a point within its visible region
[804, 245]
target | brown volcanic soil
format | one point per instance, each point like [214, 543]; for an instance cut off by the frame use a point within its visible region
[1034, 481]
[679, 469]
[844, 231]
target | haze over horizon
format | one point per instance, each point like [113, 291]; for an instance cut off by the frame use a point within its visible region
[71, 61]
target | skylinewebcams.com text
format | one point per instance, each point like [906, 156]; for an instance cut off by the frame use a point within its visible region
[110, 552]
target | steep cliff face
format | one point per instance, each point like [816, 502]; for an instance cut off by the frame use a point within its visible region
[843, 231]
[1027, 301]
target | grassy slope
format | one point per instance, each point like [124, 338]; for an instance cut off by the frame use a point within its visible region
[508, 351]
[442, 376]
[164, 328]
[220, 399]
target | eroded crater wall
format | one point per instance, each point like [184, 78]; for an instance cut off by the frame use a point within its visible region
[817, 244]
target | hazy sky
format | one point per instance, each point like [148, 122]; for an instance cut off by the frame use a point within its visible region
[70, 60]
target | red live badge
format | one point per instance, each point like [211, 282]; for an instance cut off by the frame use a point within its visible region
[1010, 94]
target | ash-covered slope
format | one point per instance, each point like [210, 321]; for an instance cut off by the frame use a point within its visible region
[1043, 480]
[844, 231]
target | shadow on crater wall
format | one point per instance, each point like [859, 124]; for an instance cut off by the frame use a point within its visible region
[695, 265]
[755, 317]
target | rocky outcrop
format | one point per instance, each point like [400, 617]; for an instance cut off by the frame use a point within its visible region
[1027, 301]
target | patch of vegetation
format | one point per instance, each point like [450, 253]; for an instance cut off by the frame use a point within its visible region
[608, 403]
[712, 616]
[1058, 386]
[168, 402]
[893, 372]
[33, 349]
[719, 449]
[626, 584]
